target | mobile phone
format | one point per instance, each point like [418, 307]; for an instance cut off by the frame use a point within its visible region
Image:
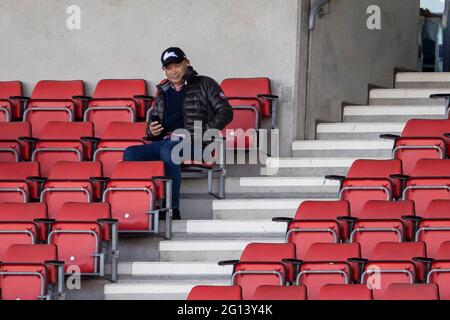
[156, 118]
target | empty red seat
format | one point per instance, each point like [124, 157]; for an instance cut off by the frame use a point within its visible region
[429, 181]
[316, 222]
[12, 148]
[251, 100]
[327, 263]
[383, 221]
[14, 183]
[80, 231]
[215, 293]
[71, 182]
[393, 262]
[280, 293]
[117, 137]
[345, 292]
[134, 190]
[116, 100]
[60, 141]
[404, 291]
[52, 101]
[19, 224]
[263, 264]
[438, 271]
[10, 107]
[434, 228]
[421, 139]
[27, 271]
[369, 180]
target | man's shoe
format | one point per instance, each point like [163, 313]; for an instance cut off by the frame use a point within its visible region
[176, 214]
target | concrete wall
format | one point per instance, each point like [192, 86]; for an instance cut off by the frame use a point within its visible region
[124, 39]
[345, 56]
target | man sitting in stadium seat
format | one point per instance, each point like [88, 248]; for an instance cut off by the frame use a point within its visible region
[182, 99]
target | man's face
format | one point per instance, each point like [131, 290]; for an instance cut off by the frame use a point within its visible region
[176, 71]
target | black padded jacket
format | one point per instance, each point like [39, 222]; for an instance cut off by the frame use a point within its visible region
[204, 101]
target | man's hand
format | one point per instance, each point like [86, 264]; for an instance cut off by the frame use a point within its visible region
[156, 128]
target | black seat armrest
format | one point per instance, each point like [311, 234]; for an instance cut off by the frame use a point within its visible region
[90, 139]
[54, 262]
[37, 179]
[402, 177]
[282, 219]
[296, 262]
[412, 218]
[335, 178]
[361, 261]
[82, 98]
[440, 96]
[144, 98]
[98, 179]
[108, 221]
[267, 96]
[423, 259]
[390, 136]
[45, 221]
[227, 263]
[28, 139]
[19, 98]
[347, 219]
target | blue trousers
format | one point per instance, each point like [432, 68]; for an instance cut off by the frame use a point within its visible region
[159, 151]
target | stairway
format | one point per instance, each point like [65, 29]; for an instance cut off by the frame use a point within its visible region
[190, 258]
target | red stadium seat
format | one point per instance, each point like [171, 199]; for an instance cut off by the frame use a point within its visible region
[134, 191]
[31, 272]
[20, 224]
[52, 101]
[421, 139]
[434, 228]
[60, 141]
[345, 292]
[122, 100]
[10, 107]
[81, 232]
[12, 147]
[393, 262]
[383, 221]
[251, 99]
[429, 181]
[225, 293]
[438, 270]
[280, 293]
[404, 291]
[15, 185]
[117, 137]
[327, 263]
[369, 180]
[316, 222]
[71, 182]
[263, 264]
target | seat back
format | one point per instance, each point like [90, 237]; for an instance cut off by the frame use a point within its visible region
[381, 221]
[11, 149]
[10, 110]
[370, 180]
[14, 186]
[54, 95]
[117, 137]
[61, 141]
[215, 293]
[280, 293]
[405, 291]
[261, 264]
[345, 292]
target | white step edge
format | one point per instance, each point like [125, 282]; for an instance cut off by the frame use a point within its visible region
[394, 111]
[179, 268]
[228, 226]
[423, 77]
[331, 162]
[405, 93]
[217, 245]
[260, 204]
[155, 288]
[287, 182]
[342, 145]
[360, 127]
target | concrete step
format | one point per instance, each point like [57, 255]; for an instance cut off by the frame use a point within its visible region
[409, 80]
[157, 268]
[357, 131]
[227, 226]
[392, 113]
[310, 166]
[342, 148]
[159, 288]
[405, 96]
[212, 247]
[258, 209]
